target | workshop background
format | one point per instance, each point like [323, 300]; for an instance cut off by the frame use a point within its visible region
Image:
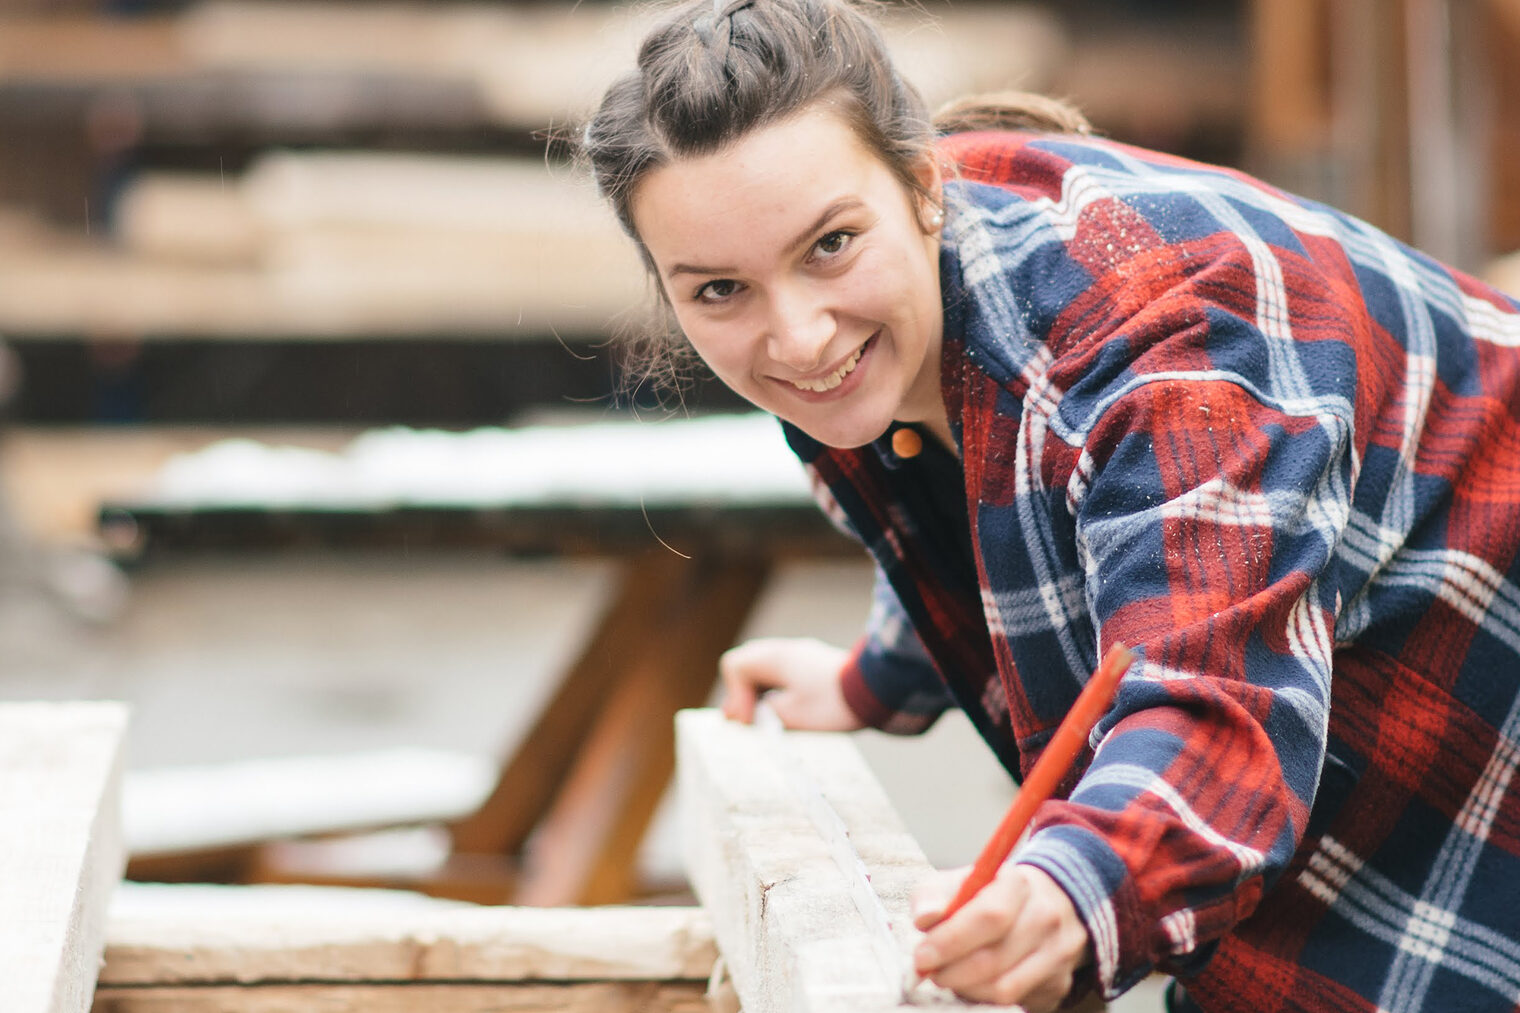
[298, 222]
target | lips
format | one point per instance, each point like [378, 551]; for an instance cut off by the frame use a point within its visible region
[829, 381]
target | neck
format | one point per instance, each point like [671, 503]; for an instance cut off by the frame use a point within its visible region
[939, 427]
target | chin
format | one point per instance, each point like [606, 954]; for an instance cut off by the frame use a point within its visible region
[840, 437]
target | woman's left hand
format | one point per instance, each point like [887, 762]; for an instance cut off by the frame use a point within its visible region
[1017, 941]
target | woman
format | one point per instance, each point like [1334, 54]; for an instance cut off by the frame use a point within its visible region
[1071, 393]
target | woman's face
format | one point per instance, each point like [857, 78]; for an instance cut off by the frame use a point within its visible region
[805, 275]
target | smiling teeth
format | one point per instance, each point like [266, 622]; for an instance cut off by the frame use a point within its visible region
[834, 379]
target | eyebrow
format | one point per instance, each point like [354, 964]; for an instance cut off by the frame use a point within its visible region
[839, 206]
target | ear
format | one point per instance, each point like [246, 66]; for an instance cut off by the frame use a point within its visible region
[931, 198]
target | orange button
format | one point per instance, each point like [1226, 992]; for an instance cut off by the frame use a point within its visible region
[907, 443]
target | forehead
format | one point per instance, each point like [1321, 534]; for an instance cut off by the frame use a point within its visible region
[758, 189]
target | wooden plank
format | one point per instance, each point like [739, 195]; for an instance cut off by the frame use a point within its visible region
[60, 849]
[55, 478]
[341, 862]
[603, 997]
[402, 286]
[185, 216]
[76, 47]
[239, 944]
[781, 913]
[531, 65]
[324, 245]
[193, 807]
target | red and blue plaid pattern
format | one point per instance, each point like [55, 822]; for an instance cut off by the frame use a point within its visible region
[1278, 454]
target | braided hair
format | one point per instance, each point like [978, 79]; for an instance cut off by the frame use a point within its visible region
[713, 70]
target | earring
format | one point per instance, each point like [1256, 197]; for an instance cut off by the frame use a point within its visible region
[937, 219]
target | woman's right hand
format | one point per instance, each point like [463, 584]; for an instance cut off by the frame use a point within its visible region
[803, 679]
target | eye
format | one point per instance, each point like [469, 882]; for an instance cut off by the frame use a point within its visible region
[717, 290]
[833, 244]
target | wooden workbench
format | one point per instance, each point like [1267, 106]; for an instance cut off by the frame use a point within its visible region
[696, 542]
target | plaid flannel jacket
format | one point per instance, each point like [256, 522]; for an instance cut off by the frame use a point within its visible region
[1278, 454]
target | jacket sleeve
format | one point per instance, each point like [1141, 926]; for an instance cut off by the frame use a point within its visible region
[1205, 510]
[889, 680]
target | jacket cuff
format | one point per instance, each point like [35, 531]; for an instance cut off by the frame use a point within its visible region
[1101, 890]
[857, 693]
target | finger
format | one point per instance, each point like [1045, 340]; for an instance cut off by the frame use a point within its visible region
[739, 691]
[1036, 977]
[1037, 984]
[974, 974]
[739, 704]
[1039, 959]
[985, 920]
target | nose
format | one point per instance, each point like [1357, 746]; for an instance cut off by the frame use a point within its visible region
[801, 328]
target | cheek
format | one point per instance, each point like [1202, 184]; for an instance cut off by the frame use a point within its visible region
[717, 345]
[887, 286]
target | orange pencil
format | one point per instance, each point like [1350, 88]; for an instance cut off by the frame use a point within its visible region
[1049, 769]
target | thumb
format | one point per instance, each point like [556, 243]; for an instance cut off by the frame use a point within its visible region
[739, 702]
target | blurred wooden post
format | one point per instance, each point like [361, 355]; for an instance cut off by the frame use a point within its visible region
[544, 759]
[565, 819]
[1289, 104]
[1449, 105]
[61, 850]
[1501, 38]
[584, 851]
[1381, 109]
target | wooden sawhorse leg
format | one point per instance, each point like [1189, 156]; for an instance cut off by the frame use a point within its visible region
[579, 793]
[563, 823]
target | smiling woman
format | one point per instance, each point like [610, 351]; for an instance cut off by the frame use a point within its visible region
[1071, 393]
[716, 71]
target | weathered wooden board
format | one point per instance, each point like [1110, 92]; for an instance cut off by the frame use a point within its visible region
[397, 284]
[232, 943]
[199, 807]
[345, 243]
[531, 64]
[273, 950]
[196, 261]
[60, 849]
[584, 997]
[789, 934]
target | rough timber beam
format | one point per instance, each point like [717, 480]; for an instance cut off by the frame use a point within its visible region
[460, 997]
[61, 849]
[458, 960]
[788, 931]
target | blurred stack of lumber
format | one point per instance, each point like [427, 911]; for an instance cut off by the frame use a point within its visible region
[1404, 112]
[335, 245]
[349, 242]
[289, 211]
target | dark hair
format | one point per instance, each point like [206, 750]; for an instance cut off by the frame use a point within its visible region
[713, 70]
